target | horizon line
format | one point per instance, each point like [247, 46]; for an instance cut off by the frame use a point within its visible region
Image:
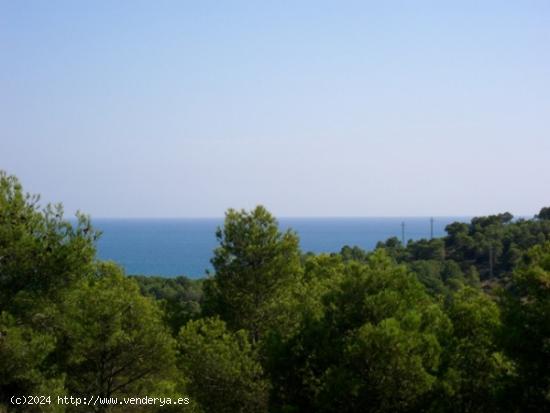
[309, 217]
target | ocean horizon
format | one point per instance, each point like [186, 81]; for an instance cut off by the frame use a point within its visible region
[184, 246]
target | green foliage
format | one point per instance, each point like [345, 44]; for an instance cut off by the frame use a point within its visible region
[442, 277]
[394, 248]
[473, 369]
[494, 244]
[23, 361]
[375, 348]
[115, 341]
[255, 265]
[404, 328]
[488, 248]
[221, 367]
[42, 256]
[544, 213]
[388, 329]
[527, 335]
[423, 249]
[179, 297]
[40, 252]
[387, 366]
[353, 254]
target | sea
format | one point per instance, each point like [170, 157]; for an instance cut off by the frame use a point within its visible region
[184, 246]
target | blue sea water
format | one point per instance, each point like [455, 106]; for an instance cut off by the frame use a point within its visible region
[171, 247]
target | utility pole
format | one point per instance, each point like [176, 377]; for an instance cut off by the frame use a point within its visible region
[403, 233]
[432, 228]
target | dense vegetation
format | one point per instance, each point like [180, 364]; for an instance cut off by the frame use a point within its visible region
[454, 324]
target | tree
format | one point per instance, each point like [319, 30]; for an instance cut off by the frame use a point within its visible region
[374, 347]
[221, 368]
[526, 310]
[115, 341]
[388, 330]
[544, 213]
[387, 367]
[354, 253]
[179, 297]
[473, 368]
[255, 265]
[394, 248]
[23, 355]
[41, 254]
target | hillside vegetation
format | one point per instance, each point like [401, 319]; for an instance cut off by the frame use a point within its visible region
[454, 324]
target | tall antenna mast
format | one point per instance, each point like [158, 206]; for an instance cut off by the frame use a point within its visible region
[432, 228]
[403, 233]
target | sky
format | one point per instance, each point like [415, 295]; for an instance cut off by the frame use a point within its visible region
[185, 109]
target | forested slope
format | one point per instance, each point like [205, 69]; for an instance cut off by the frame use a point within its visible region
[454, 324]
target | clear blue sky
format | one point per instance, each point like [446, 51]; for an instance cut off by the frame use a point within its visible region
[166, 109]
